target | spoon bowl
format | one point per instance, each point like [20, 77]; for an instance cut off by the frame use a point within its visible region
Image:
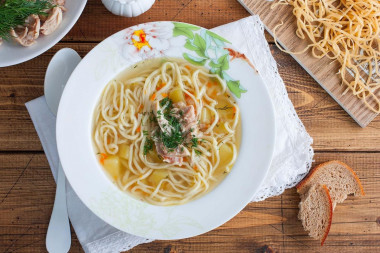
[58, 72]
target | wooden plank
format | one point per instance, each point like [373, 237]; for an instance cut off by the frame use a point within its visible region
[18, 85]
[327, 123]
[97, 23]
[27, 194]
[323, 70]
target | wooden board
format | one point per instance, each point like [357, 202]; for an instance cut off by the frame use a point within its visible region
[324, 70]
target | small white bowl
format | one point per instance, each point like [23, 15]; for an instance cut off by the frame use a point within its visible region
[12, 53]
[128, 8]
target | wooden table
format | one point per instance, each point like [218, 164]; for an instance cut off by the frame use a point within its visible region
[27, 187]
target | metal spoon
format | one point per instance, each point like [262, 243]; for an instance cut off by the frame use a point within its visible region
[58, 238]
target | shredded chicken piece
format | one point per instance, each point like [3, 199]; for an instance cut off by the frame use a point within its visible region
[27, 35]
[186, 116]
[43, 17]
[59, 2]
[52, 22]
[162, 122]
[175, 156]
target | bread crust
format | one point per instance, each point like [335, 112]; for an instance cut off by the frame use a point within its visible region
[312, 172]
[330, 215]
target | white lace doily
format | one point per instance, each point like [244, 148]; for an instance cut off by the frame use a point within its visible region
[292, 155]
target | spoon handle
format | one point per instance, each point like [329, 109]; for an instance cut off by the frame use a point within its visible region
[58, 238]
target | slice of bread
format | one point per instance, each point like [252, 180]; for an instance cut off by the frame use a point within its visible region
[316, 211]
[339, 178]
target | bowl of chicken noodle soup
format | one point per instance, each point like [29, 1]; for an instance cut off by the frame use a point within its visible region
[165, 130]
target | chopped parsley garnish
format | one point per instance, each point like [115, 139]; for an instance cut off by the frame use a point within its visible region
[165, 101]
[197, 152]
[175, 138]
[148, 146]
[171, 133]
[145, 132]
[226, 107]
[152, 118]
[194, 142]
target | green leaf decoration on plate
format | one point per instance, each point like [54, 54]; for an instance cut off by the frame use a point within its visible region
[184, 29]
[209, 48]
[194, 60]
[236, 88]
[190, 45]
[216, 36]
[214, 65]
[200, 43]
[223, 61]
[217, 71]
[198, 47]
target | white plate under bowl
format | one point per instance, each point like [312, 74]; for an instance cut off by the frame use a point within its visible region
[12, 53]
[87, 177]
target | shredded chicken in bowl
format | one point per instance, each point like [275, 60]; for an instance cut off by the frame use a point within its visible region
[35, 25]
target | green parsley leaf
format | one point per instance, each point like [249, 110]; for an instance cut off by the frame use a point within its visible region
[148, 146]
[194, 142]
[197, 152]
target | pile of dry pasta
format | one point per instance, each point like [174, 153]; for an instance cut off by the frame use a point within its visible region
[346, 31]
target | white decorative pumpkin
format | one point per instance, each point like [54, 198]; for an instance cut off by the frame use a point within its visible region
[128, 8]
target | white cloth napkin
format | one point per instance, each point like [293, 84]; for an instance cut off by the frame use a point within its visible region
[292, 156]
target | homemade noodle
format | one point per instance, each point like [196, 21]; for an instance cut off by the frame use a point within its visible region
[347, 31]
[166, 131]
